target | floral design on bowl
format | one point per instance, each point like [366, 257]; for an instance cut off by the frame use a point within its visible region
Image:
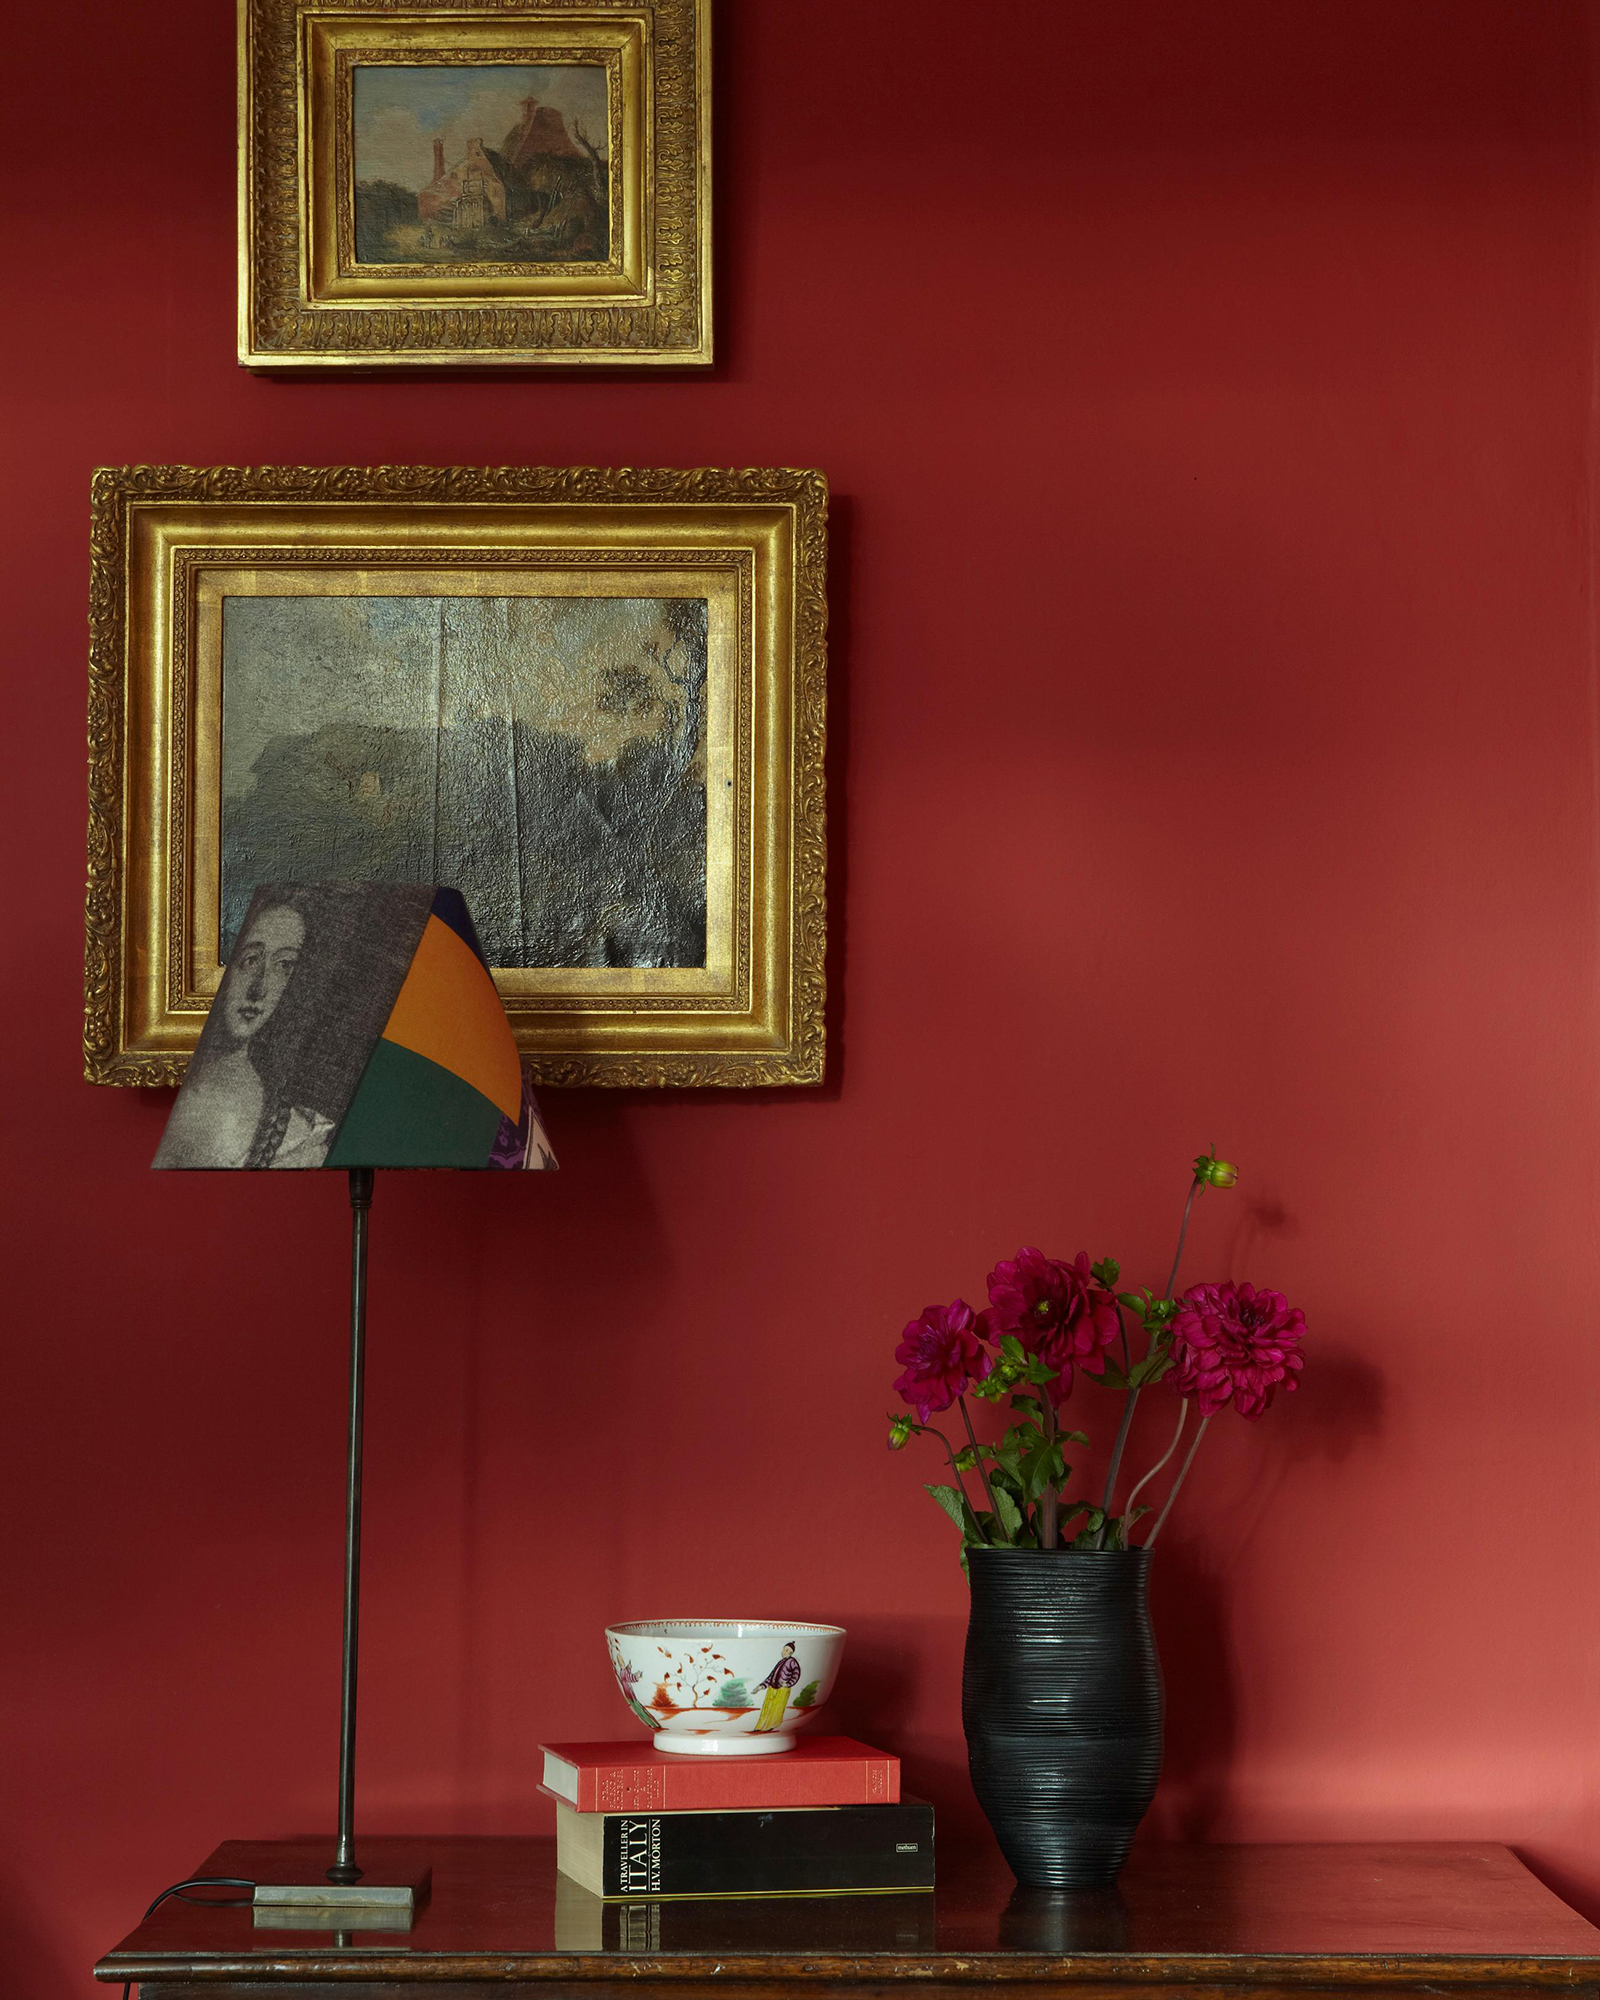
[730, 1687]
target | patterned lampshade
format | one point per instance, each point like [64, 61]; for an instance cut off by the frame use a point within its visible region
[357, 1025]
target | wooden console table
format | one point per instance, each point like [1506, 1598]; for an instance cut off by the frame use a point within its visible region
[1464, 1922]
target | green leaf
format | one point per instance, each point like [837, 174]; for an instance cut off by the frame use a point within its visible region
[1043, 1467]
[1151, 1369]
[1089, 1532]
[1072, 1437]
[952, 1503]
[1013, 1350]
[1008, 1454]
[1113, 1377]
[1119, 1524]
[807, 1697]
[1106, 1272]
[958, 1510]
[1010, 1515]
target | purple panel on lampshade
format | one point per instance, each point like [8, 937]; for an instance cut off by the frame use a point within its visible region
[523, 1144]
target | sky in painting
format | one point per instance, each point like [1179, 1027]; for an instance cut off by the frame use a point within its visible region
[400, 109]
[297, 664]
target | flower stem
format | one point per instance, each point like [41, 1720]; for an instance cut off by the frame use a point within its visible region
[1183, 1474]
[1129, 1405]
[1183, 1418]
[955, 1470]
[1049, 1499]
[983, 1470]
[1183, 1230]
[1115, 1466]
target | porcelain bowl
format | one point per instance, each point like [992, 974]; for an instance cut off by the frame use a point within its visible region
[725, 1687]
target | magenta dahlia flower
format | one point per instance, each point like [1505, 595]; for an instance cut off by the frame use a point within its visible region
[1233, 1344]
[943, 1356]
[1056, 1310]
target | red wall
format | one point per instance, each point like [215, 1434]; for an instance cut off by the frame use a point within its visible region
[1207, 396]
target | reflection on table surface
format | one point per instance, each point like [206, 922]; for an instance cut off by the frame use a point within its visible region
[503, 1896]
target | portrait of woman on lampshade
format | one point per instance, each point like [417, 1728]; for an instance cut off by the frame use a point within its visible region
[290, 1029]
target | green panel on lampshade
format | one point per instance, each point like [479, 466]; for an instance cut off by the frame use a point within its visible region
[408, 1112]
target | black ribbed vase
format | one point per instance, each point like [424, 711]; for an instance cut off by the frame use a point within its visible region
[1061, 1701]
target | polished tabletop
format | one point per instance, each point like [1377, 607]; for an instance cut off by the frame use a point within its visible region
[1456, 1913]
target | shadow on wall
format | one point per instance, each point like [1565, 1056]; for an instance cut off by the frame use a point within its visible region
[1190, 1595]
[899, 1664]
[521, 1279]
[1571, 1887]
[31, 1964]
[1256, 1224]
[1188, 1606]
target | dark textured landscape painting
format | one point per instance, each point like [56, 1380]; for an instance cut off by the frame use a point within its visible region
[545, 755]
[481, 163]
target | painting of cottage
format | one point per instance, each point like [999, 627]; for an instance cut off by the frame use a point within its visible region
[481, 163]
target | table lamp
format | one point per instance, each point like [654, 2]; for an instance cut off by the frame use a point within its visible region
[356, 1027]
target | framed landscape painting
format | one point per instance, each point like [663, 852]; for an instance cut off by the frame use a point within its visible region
[458, 185]
[591, 701]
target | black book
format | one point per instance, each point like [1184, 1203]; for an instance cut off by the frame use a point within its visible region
[793, 1851]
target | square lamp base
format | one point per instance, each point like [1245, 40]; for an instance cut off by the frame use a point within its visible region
[393, 1894]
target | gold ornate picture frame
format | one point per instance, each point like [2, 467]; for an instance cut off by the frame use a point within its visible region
[455, 184]
[594, 700]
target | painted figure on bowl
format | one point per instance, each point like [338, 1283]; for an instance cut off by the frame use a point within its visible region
[710, 1686]
[785, 1675]
[628, 1679]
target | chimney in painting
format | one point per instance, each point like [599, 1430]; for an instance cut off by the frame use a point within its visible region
[438, 159]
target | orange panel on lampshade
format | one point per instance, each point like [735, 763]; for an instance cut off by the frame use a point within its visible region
[449, 1012]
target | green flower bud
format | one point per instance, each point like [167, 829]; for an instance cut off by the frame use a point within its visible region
[899, 1433]
[1214, 1172]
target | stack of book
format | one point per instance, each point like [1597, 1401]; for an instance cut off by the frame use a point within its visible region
[823, 1819]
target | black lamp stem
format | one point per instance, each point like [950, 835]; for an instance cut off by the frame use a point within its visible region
[344, 1869]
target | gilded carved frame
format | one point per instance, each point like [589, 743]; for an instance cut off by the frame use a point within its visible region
[305, 304]
[169, 542]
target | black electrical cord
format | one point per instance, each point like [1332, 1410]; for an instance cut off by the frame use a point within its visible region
[216, 1902]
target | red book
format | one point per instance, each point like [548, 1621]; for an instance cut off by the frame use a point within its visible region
[636, 1777]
